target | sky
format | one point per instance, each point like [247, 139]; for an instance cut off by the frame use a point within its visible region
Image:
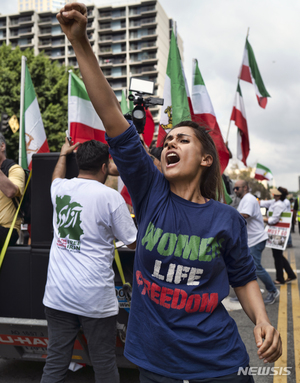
[214, 32]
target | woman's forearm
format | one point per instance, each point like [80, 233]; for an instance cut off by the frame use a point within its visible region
[267, 338]
[265, 204]
[251, 300]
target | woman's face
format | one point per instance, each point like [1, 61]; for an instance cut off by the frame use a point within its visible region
[182, 156]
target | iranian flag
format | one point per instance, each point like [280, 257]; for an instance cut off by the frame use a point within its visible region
[149, 128]
[124, 104]
[32, 133]
[250, 73]
[238, 115]
[203, 113]
[149, 124]
[176, 107]
[263, 173]
[122, 189]
[84, 122]
[147, 135]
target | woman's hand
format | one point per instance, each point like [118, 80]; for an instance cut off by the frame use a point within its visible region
[268, 341]
[267, 338]
[73, 19]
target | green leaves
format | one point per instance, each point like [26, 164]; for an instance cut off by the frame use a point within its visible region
[50, 81]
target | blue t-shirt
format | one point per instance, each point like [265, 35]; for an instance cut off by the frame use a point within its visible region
[187, 255]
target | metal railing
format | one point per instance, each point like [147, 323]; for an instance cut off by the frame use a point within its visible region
[45, 31]
[20, 20]
[138, 11]
[134, 58]
[142, 70]
[45, 20]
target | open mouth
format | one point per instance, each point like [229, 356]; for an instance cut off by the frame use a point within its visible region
[172, 158]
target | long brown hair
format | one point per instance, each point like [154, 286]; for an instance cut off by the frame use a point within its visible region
[211, 182]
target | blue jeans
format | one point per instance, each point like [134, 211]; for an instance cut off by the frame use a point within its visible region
[261, 273]
[100, 334]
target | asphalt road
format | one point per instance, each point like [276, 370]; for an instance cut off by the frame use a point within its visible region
[284, 313]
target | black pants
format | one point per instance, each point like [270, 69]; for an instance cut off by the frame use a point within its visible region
[281, 263]
[100, 334]
[151, 377]
[3, 234]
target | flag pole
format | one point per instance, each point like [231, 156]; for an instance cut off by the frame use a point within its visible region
[22, 90]
[69, 95]
[226, 141]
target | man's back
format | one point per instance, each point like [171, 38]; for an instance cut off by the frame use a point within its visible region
[87, 217]
[255, 225]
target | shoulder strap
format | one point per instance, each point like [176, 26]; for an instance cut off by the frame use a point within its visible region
[6, 165]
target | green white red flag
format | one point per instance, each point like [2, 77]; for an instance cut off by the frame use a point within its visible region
[84, 122]
[124, 104]
[176, 107]
[250, 73]
[227, 198]
[238, 115]
[203, 113]
[122, 189]
[32, 137]
[149, 124]
[263, 173]
[147, 135]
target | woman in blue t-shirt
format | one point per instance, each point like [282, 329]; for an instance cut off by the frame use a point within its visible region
[190, 247]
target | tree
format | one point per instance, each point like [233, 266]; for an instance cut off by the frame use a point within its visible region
[247, 174]
[50, 81]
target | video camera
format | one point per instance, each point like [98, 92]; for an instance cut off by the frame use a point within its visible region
[142, 87]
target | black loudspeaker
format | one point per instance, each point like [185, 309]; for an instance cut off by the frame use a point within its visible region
[38, 268]
[41, 206]
[15, 280]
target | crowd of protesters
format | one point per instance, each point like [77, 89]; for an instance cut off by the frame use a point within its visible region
[190, 248]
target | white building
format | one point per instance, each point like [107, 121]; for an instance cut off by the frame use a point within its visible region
[40, 5]
[129, 40]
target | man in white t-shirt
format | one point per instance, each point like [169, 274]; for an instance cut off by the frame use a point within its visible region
[80, 290]
[249, 208]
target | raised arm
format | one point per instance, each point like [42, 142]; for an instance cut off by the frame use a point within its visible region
[61, 165]
[73, 19]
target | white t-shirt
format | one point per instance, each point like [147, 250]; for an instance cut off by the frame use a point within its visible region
[276, 207]
[255, 224]
[288, 204]
[87, 217]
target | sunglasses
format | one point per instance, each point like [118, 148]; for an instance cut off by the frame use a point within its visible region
[237, 187]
